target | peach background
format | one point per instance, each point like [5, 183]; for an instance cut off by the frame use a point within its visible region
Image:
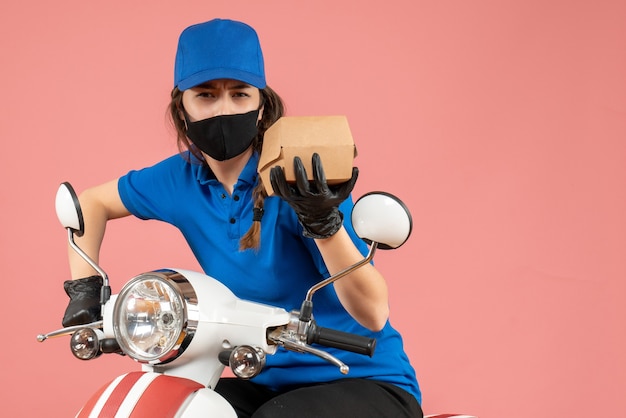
[502, 124]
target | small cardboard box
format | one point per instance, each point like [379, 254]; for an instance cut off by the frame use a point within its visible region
[302, 136]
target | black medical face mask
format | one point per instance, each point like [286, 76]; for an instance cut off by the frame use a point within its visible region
[223, 137]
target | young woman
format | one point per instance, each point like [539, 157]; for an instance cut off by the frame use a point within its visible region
[265, 249]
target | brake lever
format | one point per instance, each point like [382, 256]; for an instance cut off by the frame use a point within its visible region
[294, 342]
[68, 330]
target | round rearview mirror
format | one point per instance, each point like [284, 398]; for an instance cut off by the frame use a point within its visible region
[382, 218]
[68, 209]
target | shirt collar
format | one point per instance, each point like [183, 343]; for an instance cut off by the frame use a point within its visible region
[249, 174]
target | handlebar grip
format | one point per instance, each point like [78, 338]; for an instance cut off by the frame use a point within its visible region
[342, 340]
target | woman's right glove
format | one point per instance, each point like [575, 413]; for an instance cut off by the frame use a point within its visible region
[84, 306]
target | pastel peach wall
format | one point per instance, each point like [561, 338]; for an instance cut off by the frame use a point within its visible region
[502, 124]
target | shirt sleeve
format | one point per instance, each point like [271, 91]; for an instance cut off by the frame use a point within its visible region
[150, 193]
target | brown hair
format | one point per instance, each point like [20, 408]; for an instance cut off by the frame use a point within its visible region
[273, 109]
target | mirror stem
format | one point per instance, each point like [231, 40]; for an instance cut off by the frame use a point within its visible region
[105, 293]
[307, 306]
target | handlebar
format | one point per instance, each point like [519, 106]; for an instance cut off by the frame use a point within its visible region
[343, 340]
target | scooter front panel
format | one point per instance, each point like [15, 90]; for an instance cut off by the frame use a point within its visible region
[140, 394]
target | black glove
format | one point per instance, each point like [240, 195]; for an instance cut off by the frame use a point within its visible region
[84, 306]
[316, 203]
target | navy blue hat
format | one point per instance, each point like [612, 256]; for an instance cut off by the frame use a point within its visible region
[217, 49]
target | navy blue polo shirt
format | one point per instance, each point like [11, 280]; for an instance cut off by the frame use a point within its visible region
[186, 194]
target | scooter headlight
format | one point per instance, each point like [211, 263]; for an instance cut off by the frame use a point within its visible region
[151, 316]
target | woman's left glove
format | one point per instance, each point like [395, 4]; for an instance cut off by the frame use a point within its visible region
[316, 203]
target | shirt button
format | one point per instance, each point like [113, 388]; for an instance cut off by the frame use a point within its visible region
[232, 220]
[236, 198]
[223, 196]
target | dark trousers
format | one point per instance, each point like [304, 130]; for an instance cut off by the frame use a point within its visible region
[344, 398]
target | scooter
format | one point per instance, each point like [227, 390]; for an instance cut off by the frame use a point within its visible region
[184, 327]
